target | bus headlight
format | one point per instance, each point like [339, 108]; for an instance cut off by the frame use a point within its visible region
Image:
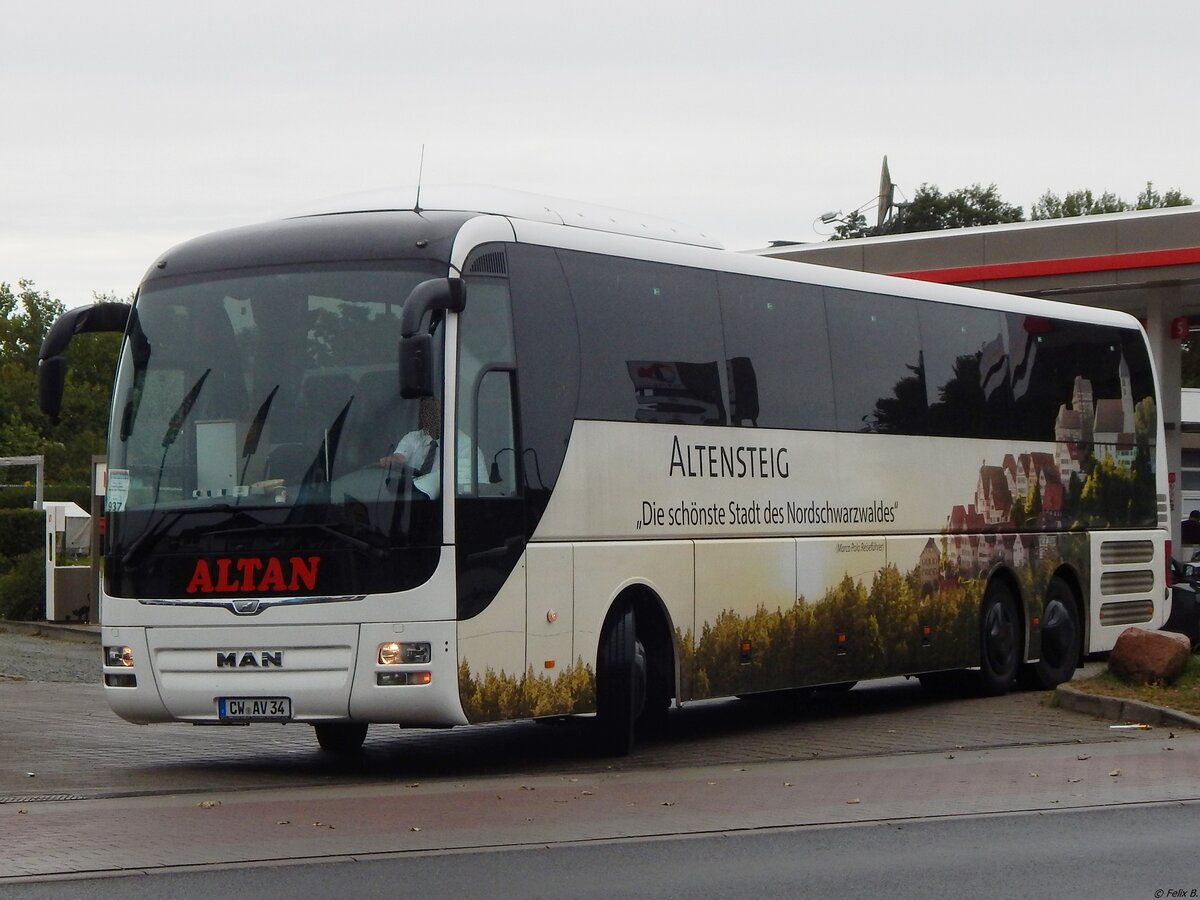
[394, 653]
[119, 656]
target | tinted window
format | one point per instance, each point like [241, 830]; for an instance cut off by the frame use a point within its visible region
[877, 373]
[1079, 377]
[966, 369]
[485, 343]
[650, 341]
[778, 346]
[547, 365]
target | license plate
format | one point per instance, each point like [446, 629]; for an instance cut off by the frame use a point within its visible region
[250, 708]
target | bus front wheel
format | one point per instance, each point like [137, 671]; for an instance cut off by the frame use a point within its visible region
[341, 737]
[999, 640]
[620, 683]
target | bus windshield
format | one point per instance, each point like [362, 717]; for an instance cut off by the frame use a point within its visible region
[261, 413]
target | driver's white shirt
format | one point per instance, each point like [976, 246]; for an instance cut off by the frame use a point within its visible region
[416, 446]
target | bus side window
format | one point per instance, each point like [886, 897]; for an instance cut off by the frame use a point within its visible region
[496, 435]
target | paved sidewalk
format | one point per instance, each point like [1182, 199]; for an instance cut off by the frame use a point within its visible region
[74, 745]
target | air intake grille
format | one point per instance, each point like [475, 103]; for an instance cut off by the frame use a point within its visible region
[493, 263]
[1115, 553]
[1129, 612]
[1135, 582]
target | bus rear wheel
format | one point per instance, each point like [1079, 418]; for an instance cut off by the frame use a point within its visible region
[1061, 639]
[341, 737]
[999, 640]
[620, 683]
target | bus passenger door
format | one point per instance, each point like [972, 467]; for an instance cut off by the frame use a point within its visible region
[490, 507]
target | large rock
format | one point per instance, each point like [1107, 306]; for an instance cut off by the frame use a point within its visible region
[1149, 657]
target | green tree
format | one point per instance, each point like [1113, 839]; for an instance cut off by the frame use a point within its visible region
[1076, 203]
[931, 210]
[1152, 199]
[853, 225]
[966, 207]
[26, 315]
[1085, 203]
[974, 205]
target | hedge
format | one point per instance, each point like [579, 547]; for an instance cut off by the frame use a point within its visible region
[22, 496]
[22, 530]
[23, 547]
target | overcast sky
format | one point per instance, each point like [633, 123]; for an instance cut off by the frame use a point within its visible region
[130, 126]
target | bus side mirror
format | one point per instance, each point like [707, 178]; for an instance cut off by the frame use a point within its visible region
[448, 294]
[416, 366]
[52, 375]
[110, 316]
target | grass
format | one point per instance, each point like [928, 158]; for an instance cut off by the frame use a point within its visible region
[1183, 695]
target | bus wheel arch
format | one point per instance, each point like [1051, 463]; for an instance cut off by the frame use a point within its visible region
[1001, 634]
[1062, 634]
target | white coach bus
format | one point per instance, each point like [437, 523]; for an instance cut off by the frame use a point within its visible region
[498, 456]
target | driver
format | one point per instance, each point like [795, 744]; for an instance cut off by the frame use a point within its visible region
[421, 452]
[419, 449]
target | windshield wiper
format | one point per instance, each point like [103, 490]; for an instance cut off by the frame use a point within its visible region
[176, 425]
[322, 463]
[254, 432]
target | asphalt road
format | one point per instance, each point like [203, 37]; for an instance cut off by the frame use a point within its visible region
[1138, 851]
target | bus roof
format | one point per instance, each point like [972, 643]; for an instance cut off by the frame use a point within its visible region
[513, 205]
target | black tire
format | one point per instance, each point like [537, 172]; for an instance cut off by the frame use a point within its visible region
[999, 640]
[1062, 638]
[620, 683]
[341, 737]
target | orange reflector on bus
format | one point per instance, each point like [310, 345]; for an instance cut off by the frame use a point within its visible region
[391, 679]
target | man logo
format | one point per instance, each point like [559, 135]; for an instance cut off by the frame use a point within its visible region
[248, 659]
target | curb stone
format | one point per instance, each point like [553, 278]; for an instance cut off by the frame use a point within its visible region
[1120, 709]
